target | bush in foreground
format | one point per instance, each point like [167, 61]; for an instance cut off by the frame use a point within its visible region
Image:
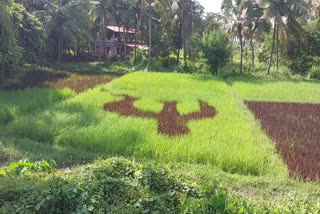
[108, 186]
[118, 185]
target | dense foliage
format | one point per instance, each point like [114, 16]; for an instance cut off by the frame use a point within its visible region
[22, 38]
[280, 33]
[63, 119]
[216, 49]
[116, 185]
[108, 186]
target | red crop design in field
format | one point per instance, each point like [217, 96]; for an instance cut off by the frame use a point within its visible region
[296, 130]
[170, 122]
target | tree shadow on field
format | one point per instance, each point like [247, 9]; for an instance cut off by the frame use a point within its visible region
[70, 141]
[15, 149]
[261, 80]
[91, 68]
[23, 102]
[207, 78]
[49, 78]
[37, 79]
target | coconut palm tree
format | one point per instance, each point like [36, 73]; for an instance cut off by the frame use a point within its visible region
[180, 13]
[65, 20]
[101, 12]
[5, 22]
[254, 27]
[283, 15]
[236, 11]
[186, 26]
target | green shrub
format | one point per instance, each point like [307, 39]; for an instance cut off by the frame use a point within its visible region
[6, 114]
[24, 167]
[30, 33]
[301, 64]
[141, 57]
[315, 74]
[263, 56]
[201, 66]
[115, 185]
[216, 49]
[112, 58]
[247, 68]
[167, 62]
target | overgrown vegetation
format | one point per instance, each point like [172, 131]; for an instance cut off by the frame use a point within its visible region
[118, 184]
[198, 147]
[110, 186]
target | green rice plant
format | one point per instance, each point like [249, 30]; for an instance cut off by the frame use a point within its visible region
[6, 114]
[277, 90]
[91, 67]
[226, 141]
[21, 102]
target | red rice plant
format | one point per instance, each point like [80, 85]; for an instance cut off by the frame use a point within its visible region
[170, 122]
[296, 130]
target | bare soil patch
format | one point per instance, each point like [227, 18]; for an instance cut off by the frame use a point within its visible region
[61, 79]
[296, 130]
[170, 122]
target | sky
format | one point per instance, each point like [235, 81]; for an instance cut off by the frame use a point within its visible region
[211, 5]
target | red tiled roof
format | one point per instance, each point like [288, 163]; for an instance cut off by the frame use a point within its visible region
[121, 29]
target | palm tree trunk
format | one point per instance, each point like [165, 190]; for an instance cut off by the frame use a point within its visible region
[272, 48]
[150, 37]
[60, 43]
[277, 48]
[241, 46]
[104, 36]
[119, 37]
[178, 56]
[184, 53]
[252, 51]
[136, 38]
[124, 42]
[179, 41]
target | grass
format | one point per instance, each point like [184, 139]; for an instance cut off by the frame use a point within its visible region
[18, 103]
[224, 142]
[231, 147]
[92, 67]
[276, 90]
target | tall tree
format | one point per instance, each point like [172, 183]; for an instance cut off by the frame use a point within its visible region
[65, 21]
[5, 22]
[186, 27]
[283, 15]
[100, 13]
[254, 26]
[150, 34]
[236, 12]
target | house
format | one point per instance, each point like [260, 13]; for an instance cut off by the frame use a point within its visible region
[115, 44]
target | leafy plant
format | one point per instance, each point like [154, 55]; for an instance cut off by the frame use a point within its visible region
[6, 114]
[217, 49]
[315, 74]
[301, 64]
[23, 167]
[112, 185]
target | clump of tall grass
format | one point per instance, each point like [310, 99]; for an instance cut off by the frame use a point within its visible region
[22, 102]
